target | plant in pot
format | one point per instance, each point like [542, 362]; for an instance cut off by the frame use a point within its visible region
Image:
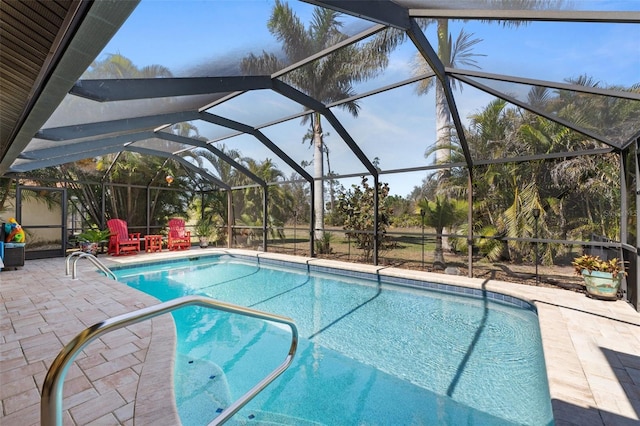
[602, 278]
[204, 231]
[91, 238]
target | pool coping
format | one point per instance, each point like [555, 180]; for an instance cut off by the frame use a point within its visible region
[593, 372]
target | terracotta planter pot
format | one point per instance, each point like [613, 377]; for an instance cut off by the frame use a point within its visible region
[602, 285]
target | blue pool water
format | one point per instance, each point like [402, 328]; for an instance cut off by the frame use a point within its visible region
[370, 353]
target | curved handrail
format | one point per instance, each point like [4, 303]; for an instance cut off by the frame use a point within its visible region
[51, 400]
[92, 258]
[67, 261]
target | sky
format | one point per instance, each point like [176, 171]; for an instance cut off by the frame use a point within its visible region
[195, 37]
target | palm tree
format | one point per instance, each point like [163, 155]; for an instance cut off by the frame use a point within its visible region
[440, 214]
[452, 55]
[117, 66]
[279, 200]
[459, 53]
[215, 203]
[326, 80]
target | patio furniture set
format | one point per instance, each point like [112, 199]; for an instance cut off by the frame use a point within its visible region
[122, 242]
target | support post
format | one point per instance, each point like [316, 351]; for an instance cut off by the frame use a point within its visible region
[295, 225]
[265, 217]
[148, 192]
[470, 222]
[350, 213]
[633, 286]
[103, 213]
[422, 212]
[229, 217]
[376, 197]
[312, 218]
[536, 216]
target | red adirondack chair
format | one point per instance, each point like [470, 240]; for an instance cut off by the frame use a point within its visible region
[121, 241]
[179, 237]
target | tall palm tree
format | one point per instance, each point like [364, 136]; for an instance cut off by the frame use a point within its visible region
[460, 53]
[452, 55]
[328, 79]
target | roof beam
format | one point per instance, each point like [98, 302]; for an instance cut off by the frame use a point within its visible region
[631, 140]
[325, 52]
[215, 151]
[381, 89]
[381, 11]
[105, 127]
[69, 158]
[426, 50]
[85, 146]
[241, 127]
[108, 90]
[626, 17]
[543, 157]
[111, 166]
[635, 96]
[311, 103]
[538, 111]
[329, 50]
[199, 170]
[225, 122]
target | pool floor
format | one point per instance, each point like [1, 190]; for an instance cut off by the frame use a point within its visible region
[435, 375]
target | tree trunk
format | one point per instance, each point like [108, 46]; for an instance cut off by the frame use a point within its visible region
[443, 113]
[318, 172]
[443, 126]
[438, 253]
[129, 201]
[332, 196]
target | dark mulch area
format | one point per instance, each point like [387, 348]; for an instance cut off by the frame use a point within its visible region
[551, 277]
[502, 273]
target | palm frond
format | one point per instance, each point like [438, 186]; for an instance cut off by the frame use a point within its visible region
[290, 31]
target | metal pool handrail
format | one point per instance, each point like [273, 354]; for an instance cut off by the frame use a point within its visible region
[51, 400]
[77, 255]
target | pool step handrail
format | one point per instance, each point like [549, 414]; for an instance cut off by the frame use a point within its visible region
[51, 400]
[77, 255]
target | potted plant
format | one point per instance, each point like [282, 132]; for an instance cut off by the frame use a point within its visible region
[91, 239]
[204, 230]
[602, 277]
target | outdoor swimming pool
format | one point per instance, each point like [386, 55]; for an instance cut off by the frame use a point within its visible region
[371, 351]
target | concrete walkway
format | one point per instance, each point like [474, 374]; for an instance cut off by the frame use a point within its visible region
[592, 348]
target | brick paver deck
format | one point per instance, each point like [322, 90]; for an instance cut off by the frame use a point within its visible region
[592, 348]
[42, 310]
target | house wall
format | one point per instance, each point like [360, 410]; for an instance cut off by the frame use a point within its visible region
[36, 213]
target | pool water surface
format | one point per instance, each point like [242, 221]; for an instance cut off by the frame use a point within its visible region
[370, 353]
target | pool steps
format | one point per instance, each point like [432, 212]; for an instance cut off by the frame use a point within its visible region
[205, 387]
[52, 389]
[209, 395]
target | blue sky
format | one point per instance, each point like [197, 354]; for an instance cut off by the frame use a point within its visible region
[397, 126]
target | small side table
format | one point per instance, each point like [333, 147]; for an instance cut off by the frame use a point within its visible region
[152, 243]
